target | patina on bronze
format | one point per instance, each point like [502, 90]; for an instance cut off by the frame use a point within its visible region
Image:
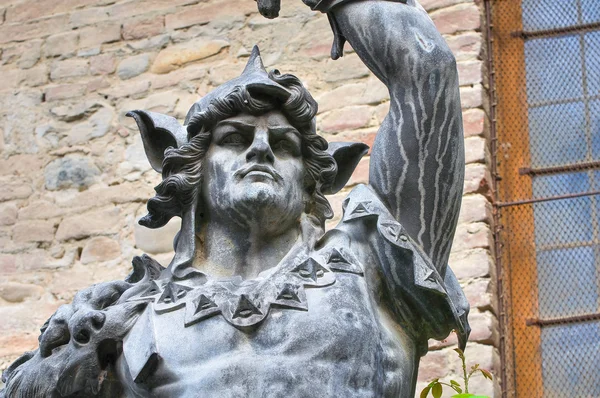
[259, 300]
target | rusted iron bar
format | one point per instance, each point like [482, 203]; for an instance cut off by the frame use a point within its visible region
[555, 32]
[564, 320]
[496, 210]
[559, 169]
[548, 199]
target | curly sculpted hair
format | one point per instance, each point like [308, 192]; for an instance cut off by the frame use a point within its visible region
[182, 167]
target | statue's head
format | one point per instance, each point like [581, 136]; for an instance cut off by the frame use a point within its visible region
[248, 154]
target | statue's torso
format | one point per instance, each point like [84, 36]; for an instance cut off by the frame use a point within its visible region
[339, 347]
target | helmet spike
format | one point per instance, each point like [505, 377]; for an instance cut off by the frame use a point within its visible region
[255, 63]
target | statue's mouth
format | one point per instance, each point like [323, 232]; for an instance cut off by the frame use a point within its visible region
[259, 170]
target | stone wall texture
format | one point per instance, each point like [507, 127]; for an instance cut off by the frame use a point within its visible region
[73, 175]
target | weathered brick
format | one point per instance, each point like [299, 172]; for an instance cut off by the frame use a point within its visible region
[156, 240]
[8, 213]
[7, 263]
[62, 44]
[64, 91]
[465, 46]
[142, 28]
[34, 231]
[477, 179]
[178, 76]
[30, 53]
[33, 30]
[205, 13]
[100, 249]
[471, 97]
[88, 16]
[130, 88]
[30, 9]
[434, 365]
[475, 150]
[99, 222]
[92, 36]
[69, 68]
[350, 118]
[133, 66]
[175, 56]
[475, 208]
[478, 294]
[14, 189]
[370, 93]
[469, 72]
[473, 122]
[103, 64]
[458, 18]
[471, 236]
[15, 292]
[14, 78]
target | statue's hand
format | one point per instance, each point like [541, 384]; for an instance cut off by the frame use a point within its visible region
[83, 316]
[81, 339]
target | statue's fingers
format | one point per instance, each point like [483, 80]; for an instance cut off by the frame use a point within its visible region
[269, 8]
[55, 335]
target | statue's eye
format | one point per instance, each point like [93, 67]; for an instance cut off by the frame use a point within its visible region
[284, 145]
[234, 139]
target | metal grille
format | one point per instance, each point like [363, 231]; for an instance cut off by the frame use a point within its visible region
[545, 80]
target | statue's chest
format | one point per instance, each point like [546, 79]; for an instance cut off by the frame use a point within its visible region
[337, 317]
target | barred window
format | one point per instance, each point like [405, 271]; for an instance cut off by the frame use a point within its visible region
[546, 57]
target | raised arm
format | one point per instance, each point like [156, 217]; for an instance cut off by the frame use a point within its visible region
[417, 162]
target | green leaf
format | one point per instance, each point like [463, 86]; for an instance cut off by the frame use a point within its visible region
[437, 390]
[425, 392]
[454, 383]
[463, 396]
[486, 374]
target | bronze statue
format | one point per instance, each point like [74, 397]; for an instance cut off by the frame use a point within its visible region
[259, 300]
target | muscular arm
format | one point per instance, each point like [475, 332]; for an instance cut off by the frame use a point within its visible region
[417, 162]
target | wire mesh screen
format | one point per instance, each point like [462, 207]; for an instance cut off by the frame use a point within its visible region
[546, 74]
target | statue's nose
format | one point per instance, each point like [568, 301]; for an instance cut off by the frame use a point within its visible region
[260, 150]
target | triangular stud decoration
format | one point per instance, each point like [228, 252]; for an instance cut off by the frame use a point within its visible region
[361, 208]
[203, 303]
[288, 292]
[200, 308]
[310, 269]
[245, 308]
[339, 260]
[173, 293]
[291, 296]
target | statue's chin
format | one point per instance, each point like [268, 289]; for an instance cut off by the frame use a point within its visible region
[265, 204]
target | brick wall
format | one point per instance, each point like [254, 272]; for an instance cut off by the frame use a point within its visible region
[72, 168]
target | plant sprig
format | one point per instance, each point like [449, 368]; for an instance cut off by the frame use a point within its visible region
[436, 389]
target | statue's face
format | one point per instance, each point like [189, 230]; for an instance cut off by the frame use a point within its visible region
[253, 172]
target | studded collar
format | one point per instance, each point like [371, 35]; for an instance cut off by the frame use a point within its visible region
[245, 303]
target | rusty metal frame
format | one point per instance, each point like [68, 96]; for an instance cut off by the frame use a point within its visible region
[547, 199]
[556, 32]
[563, 320]
[559, 169]
[501, 314]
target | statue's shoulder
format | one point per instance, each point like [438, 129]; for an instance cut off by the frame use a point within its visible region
[79, 343]
[435, 302]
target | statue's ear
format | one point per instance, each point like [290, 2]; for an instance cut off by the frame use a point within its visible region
[158, 133]
[346, 155]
